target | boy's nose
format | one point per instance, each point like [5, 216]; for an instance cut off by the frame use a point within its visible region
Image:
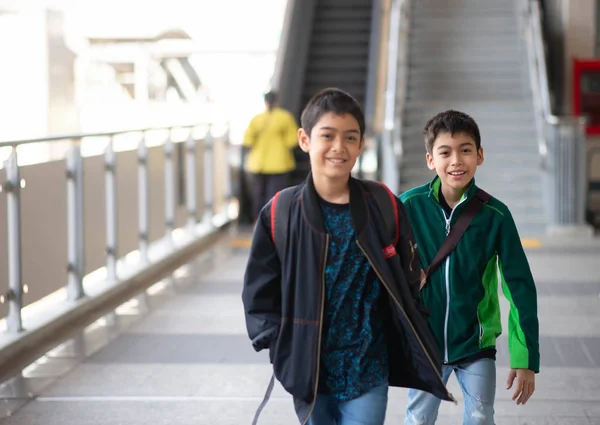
[456, 159]
[338, 144]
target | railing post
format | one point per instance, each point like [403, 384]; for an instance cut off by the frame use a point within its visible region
[169, 189]
[143, 200]
[15, 276]
[208, 177]
[111, 212]
[75, 289]
[190, 184]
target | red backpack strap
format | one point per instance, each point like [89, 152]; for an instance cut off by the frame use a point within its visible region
[280, 217]
[273, 213]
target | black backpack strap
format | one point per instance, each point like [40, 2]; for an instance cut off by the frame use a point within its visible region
[386, 200]
[265, 399]
[458, 230]
[280, 218]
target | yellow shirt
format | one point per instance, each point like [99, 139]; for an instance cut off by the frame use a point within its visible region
[271, 136]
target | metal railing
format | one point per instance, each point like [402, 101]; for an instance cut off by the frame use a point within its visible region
[193, 176]
[391, 149]
[561, 139]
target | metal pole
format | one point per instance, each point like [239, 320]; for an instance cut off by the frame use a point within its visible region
[75, 289]
[143, 200]
[15, 276]
[190, 184]
[208, 177]
[111, 212]
[169, 189]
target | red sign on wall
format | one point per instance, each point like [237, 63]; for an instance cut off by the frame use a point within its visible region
[586, 93]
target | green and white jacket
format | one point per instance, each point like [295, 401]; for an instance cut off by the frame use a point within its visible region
[462, 293]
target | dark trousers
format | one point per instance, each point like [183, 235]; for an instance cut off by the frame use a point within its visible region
[264, 187]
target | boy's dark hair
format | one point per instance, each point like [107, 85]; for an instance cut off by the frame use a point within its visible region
[270, 99]
[331, 100]
[450, 122]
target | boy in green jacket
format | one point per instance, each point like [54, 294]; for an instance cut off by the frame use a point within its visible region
[462, 293]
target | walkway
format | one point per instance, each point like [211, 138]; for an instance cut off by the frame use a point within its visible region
[181, 356]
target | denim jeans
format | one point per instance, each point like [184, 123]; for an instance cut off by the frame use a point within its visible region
[477, 381]
[368, 409]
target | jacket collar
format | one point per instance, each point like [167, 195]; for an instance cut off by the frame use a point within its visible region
[311, 207]
[434, 190]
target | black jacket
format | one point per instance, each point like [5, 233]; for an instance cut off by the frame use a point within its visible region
[284, 300]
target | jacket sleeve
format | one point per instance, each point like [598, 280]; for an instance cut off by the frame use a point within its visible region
[519, 289]
[261, 293]
[291, 134]
[409, 256]
[250, 134]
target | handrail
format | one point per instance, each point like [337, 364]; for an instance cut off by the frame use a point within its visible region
[391, 138]
[538, 74]
[197, 162]
[373, 67]
[561, 140]
[402, 65]
[76, 136]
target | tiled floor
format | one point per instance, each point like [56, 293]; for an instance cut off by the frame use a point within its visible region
[181, 356]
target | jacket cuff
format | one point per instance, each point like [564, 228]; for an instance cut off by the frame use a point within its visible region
[263, 340]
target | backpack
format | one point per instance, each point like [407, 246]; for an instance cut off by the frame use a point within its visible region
[386, 200]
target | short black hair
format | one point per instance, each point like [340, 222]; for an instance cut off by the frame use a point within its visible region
[450, 122]
[271, 98]
[331, 100]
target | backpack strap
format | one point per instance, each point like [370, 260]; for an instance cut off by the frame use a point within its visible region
[265, 399]
[386, 201]
[457, 231]
[280, 218]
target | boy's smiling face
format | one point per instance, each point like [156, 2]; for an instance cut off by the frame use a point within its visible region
[334, 145]
[455, 160]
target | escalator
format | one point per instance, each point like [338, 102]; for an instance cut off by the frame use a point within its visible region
[326, 43]
[339, 48]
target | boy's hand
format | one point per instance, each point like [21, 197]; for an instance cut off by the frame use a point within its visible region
[525, 384]
[423, 280]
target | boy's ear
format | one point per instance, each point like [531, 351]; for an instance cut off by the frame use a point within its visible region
[303, 140]
[430, 163]
[362, 144]
[480, 156]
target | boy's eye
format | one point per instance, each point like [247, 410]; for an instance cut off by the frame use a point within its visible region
[326, 136]
[352, 138]
[444, 153]
[467, 150]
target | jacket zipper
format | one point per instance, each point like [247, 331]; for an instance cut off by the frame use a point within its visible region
[312, 406]
[407, 320]
[447, 275]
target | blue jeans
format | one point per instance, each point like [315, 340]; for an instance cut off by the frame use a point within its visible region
[477, 381]
[368, 409]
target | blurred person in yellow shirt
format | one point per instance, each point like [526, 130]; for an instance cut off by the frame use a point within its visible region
[270, 137]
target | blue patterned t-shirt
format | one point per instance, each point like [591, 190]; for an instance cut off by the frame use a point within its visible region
[354, 353]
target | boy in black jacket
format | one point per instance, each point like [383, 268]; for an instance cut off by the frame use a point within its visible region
[338, 306]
